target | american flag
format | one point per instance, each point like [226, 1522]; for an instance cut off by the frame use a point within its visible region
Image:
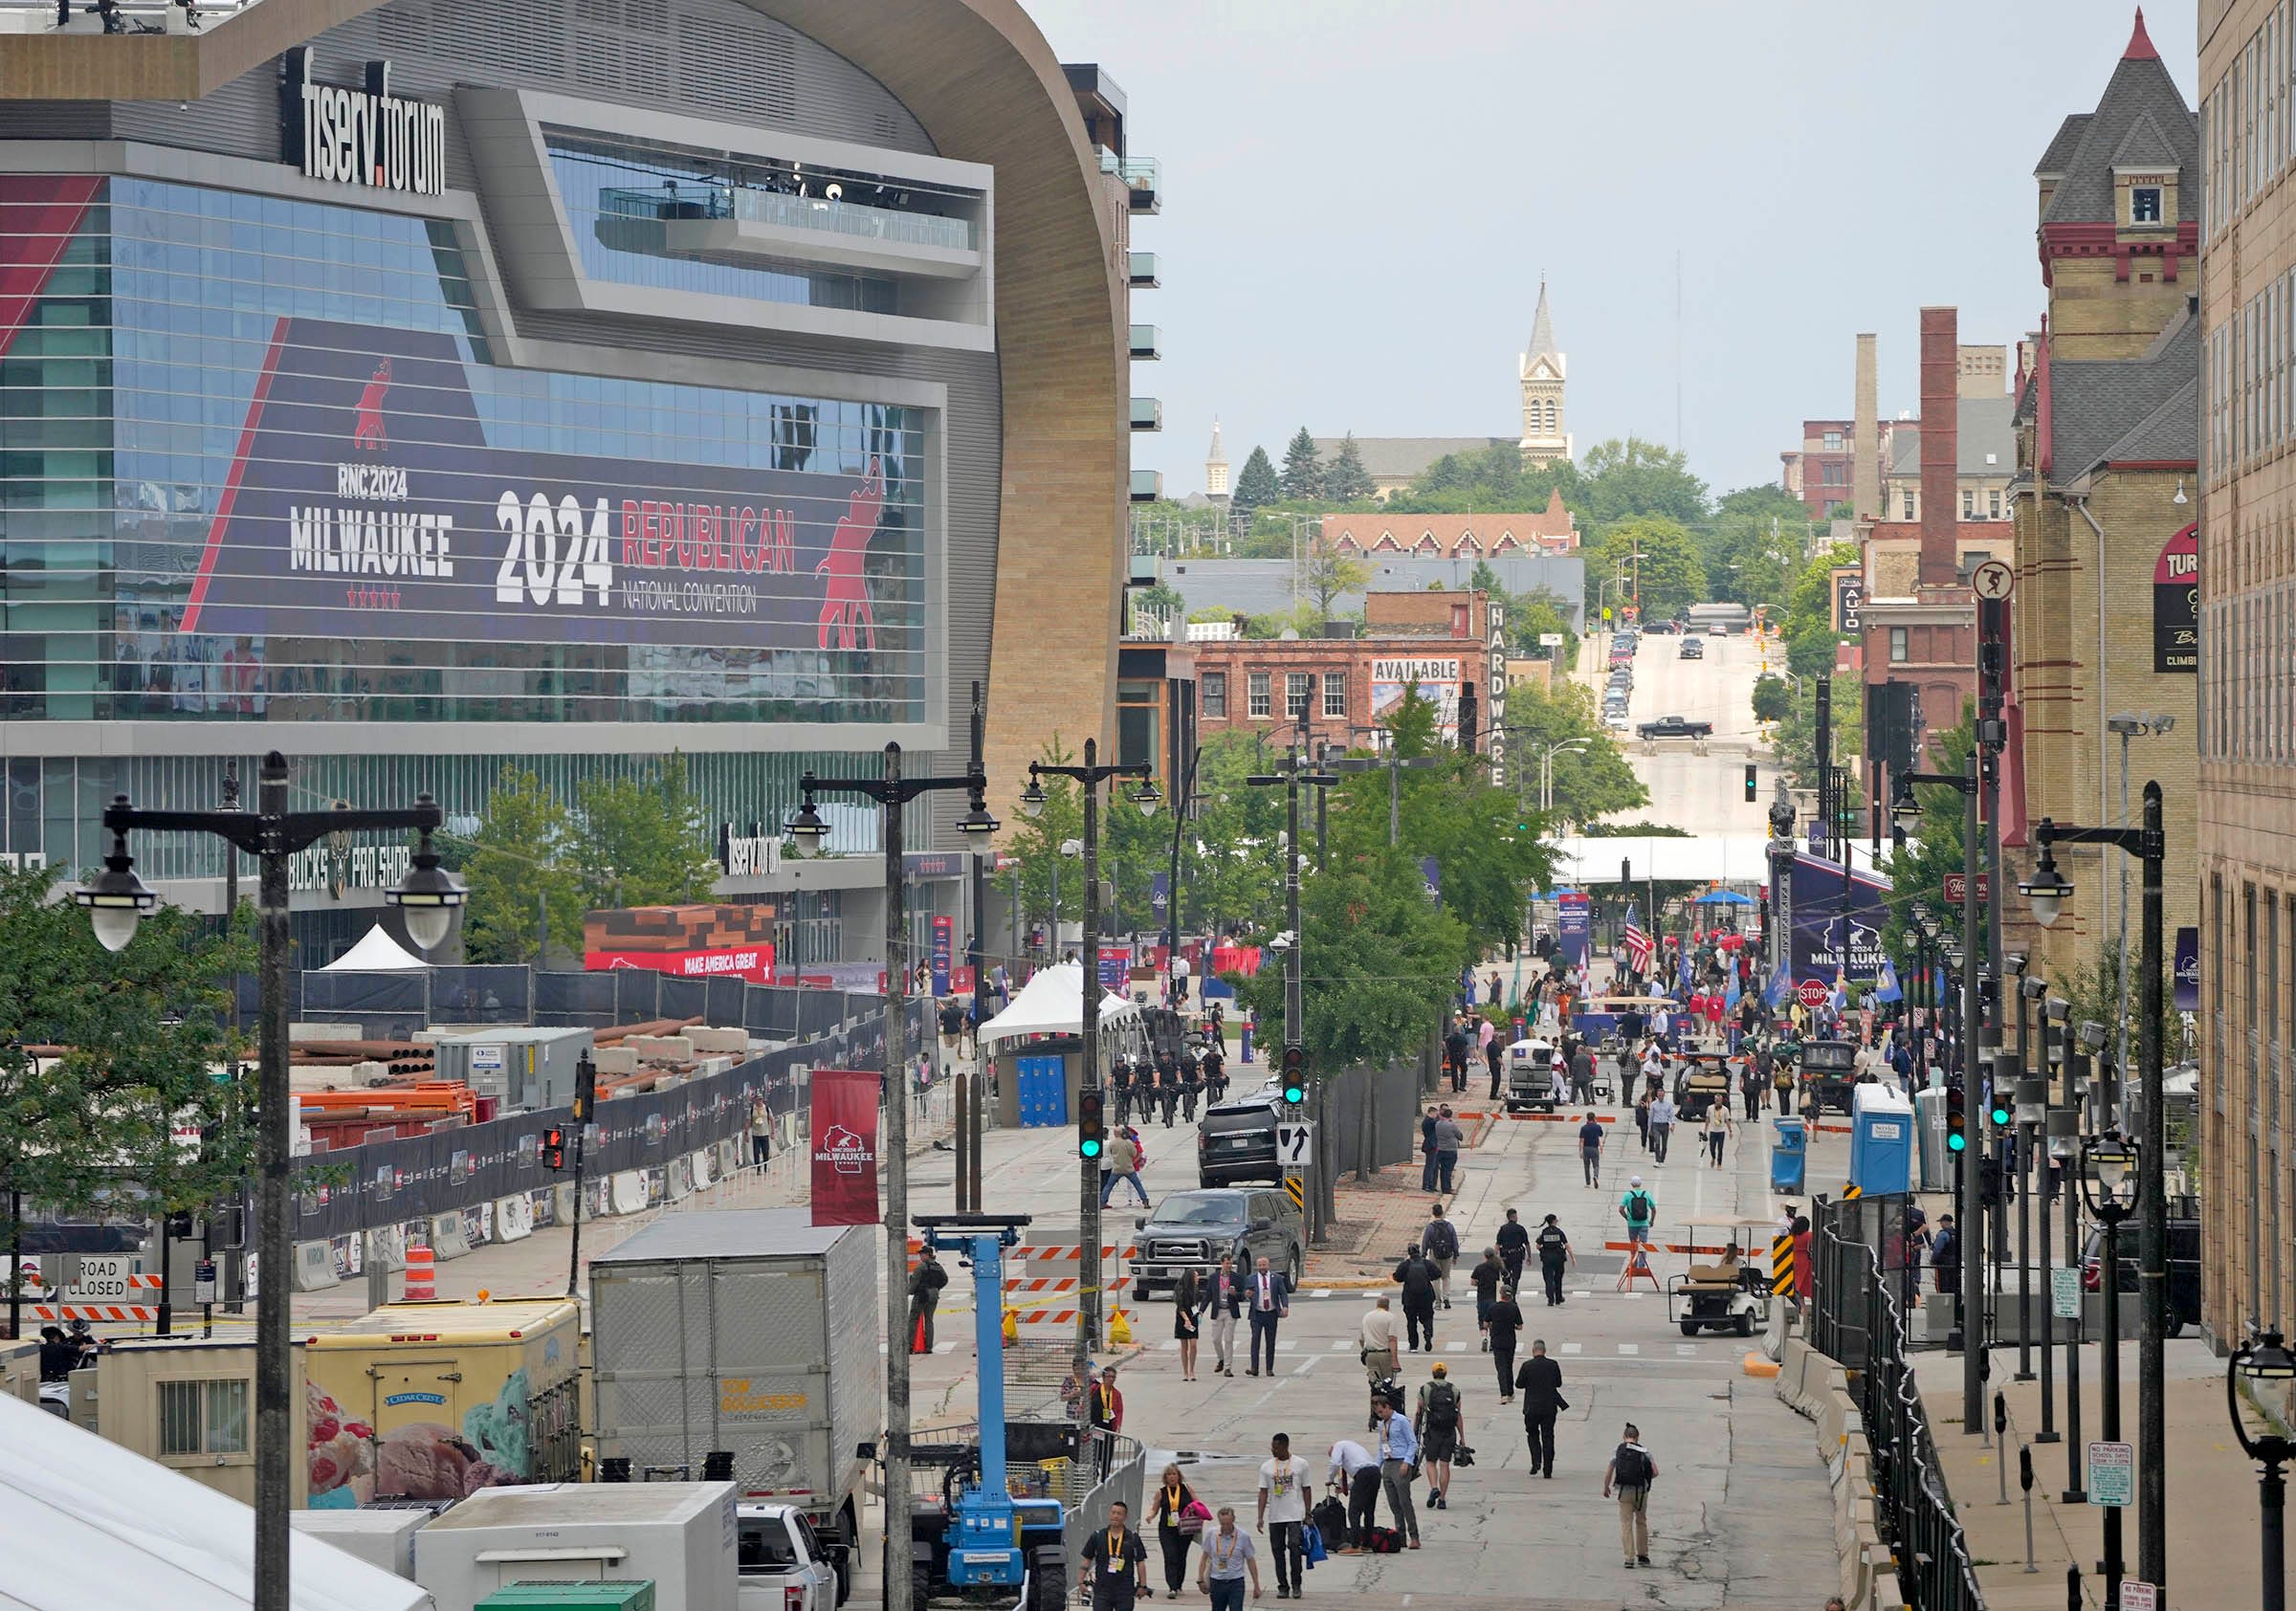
[1638, 946]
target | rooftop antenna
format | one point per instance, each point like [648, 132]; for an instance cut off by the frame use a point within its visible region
[1678, 447]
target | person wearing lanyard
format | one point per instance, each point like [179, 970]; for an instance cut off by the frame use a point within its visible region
[1398, 1452]
[1229, 1557]
[1118, 1562]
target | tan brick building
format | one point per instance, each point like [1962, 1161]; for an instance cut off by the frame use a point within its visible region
[2247, 685]
[2107, 445]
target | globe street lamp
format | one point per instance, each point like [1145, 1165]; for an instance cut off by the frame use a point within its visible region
[116, 901]
[2108, 1186]
[2263, 1359]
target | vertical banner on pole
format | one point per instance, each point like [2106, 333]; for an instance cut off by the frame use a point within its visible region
[845, 1146]
[944, 945]
[1573, 926]
[1115, 966]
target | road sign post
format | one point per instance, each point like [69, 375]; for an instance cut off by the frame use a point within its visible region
[1295, 1145]
[1813, 993]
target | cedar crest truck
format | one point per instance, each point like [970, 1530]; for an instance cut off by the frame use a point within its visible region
[750, 1333]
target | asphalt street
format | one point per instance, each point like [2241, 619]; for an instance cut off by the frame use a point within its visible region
[1699, 788]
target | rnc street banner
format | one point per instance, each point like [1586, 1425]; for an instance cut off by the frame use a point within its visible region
[2188, 970]
[944, 945]
[845, 1146]
[1573, 925]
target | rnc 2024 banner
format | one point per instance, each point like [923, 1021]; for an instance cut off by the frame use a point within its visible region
[365, 500]
[1837, 931]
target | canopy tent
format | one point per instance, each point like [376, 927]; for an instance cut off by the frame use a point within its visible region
[1729, 858]
[1053, 1003]
[376, 953]
[1723, 897]
[82, 1520]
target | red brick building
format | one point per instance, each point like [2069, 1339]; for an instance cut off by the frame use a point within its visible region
[1453, 537]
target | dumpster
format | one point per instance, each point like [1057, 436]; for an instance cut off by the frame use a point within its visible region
[1881, 1141]
[1788, 1152]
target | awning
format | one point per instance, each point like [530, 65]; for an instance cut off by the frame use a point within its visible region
[1053, 1003]
[376, 953]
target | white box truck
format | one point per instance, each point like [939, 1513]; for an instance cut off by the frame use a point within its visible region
[748, 1333]
[682, 1536]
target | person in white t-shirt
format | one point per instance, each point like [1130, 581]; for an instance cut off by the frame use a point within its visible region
[1285, 1494]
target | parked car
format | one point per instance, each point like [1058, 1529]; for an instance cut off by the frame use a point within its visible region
[781, 1564]
[1618, 720]
[1190, 1229]
[1236, 1141]
[2184, 1267]
[1693, 649]
[1675, 727]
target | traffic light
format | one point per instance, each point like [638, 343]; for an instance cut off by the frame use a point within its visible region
[1988, 1182]
[554, 1148]
[1295, 1075]
[1999, 1108]
[1956, 1120]
[1753, 783]
[1091, 1124]
[585, 1089]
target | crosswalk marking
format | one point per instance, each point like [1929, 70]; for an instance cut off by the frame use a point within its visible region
[1630, 1348]
[1686, 1349]
[1285, 1345]
[1337, 1343]
[1454, 1348]
[1320, 1293]
[1572, 1348]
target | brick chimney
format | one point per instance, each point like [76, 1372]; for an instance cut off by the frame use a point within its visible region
[1940, 446]
[1866, 469]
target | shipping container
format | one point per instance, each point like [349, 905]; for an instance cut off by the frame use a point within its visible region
[679, 1536]
[527, 1068]
[189, 1404]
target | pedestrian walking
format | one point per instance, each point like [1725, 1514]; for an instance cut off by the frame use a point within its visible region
[1486, 1278]
[1506, 1328]
[760, 1133]
[1590, 1150]
[1716, 1129]
[925, 1282]
[1398, 1449]
[1416, 1276]
[1104, 1408]
[1448, 1140]
[1441, 1240]
[1494, 1056]
[1123, 1169]
[1638, 1208]
[1630, 1473]
[1230, 1555]
[1642, 1118]
[1117, 1561]
[1582, 1074]
[1945, 1255]
[1223, 1305]
[1187, 1325]
[1169, 1512]
[1750, 1089]
[1285, 1494]
[1269, 1295]
[1375, 1347]
[1427, 1148]
[1515, 1246]
[1435, 1422]
[1355, 1472]
[1554, 1254]
[1662, 1125]
[1540, 1383]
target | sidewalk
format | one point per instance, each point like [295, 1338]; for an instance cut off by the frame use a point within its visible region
[2214, 1514]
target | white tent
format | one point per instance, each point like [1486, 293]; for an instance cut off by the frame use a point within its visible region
[1053, 1003]
[1734, 858]
[85, 1522]
[376, 953]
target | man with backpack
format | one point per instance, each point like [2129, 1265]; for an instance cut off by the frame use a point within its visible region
[1631, 1472]
[1416, 1275]
[1436, 1420]
[1639, 1209]
[1441, 1240]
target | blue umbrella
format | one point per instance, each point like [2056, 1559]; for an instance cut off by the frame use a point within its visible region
[1723, 897]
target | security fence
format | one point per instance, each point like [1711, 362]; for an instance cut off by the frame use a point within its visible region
[1862, 1270]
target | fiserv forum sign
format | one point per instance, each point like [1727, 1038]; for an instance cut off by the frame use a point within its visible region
[361, 135]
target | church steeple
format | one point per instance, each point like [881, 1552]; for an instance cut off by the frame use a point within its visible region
[1215, 467]
[1543, 371]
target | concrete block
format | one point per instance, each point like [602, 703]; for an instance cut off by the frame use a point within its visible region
[673, 1049]
[448, 1239]
[513, 1219]
[628, 1194]
[616, 1059]
[734, 1040]
[315, 1030]
[314, 1266]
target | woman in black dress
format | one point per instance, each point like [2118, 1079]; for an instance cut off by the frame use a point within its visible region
[1173, 1531]
[1187, 1314]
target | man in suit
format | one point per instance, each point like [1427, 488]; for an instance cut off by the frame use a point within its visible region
[1223, 1302]
[1267, 1299]
[1540, 1383]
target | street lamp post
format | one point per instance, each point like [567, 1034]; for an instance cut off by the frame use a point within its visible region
[116, 900]
[1781, 877]
[2032, 1118]
[1546, 768]
[2264, 1359]
[893, 793]
[2048, 891]
[1090, 776]
[2106, 1167]
[1291, 775]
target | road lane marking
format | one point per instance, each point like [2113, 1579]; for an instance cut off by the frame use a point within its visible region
[1573, 1347]
[1322, 1293]
[1686, 1348]
[1630, 1348]
[1308, 1364]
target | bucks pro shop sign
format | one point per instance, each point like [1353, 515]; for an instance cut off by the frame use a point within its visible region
[361, 135]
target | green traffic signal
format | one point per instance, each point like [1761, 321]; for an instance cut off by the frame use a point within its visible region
[1089, 1147]
[1956, 1141]
[2001, 1113]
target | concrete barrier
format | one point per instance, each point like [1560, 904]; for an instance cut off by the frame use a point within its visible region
[1818, 1389]
[448, 1238]
[314, 1266]
[628, 1192]
[699, 1168]
[726, 1040]
[513, 1219]
[615, 1060]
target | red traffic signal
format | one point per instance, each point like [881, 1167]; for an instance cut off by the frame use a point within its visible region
[554, 1148]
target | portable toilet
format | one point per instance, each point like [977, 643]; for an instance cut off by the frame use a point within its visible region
[1881, 1141]
[1788, 1153]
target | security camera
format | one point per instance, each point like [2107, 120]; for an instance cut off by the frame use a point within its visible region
[2014, 961]
[2092, 1034]
[1282, 942]
[2059, 1010]
[2033, 989]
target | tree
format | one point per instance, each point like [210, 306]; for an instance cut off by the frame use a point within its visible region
[1661, 562]
[1625, 481]
[1587, 782]
[1808, 627]
[1328, 573]
[517, 868]
[1345, 480]
[1773, 697]
[1303, 472]
[1754, 545]
[1413, 726]
[1933, 845]
[146, 1033]
[1255, 485]
[641, 841]
[1484, 479]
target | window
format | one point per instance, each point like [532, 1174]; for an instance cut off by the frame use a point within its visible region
[1259, 695]
[2144, 204]
[1993, 503]
[1969, 505]
[1900, 649]
[1296, 684]
[1833, 441]
[1215, 693]
[199, 1418]
[1908, 514]
[1335, 693]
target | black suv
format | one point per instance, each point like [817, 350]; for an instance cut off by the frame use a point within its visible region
[1236, 1141]
[2184, 1267]
[1190, 1229]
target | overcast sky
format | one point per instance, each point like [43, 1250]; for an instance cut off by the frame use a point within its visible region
[1360, 196]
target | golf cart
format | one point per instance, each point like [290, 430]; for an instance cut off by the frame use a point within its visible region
[1829, 1070]
[1535, 1077]
[1704, 1081]
[1726, 1287]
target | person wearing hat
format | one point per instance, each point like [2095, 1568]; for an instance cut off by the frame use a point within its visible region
[1638, 1208]
[1436, 1420]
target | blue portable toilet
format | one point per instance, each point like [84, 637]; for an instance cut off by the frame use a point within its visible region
[1788, 1153]
[1881, 1141]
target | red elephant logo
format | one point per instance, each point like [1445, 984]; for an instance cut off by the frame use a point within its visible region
[845, 608]
[368, 430]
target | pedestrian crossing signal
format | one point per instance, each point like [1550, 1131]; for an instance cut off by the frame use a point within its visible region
[1956, 1122]
[554, 1148]
[1295, 1075]
[1091, 1131]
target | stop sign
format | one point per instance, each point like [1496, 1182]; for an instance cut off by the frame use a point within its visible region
[1814, 993]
